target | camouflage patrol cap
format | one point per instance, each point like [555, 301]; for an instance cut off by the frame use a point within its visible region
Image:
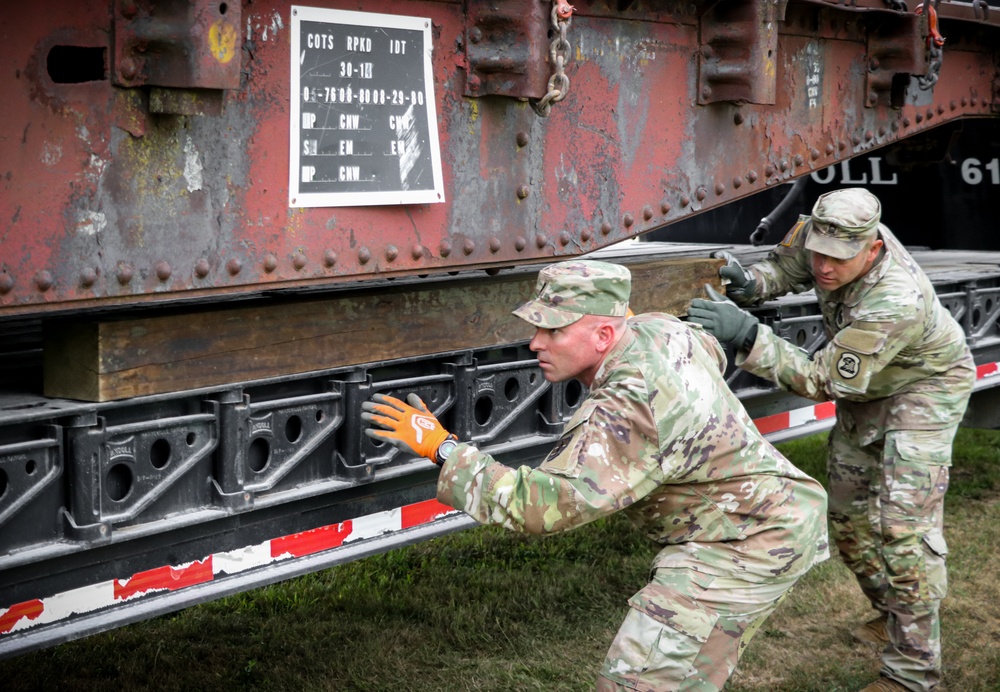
[843, 221]
[567, 291]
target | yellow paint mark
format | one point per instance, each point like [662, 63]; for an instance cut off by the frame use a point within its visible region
[473, 115]
[222, 41]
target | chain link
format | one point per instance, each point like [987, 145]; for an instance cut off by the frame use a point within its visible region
[934, 42]
[559, 51]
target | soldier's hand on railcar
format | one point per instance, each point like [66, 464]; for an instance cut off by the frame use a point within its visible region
[742, 286]
[724, 320]
[410, 427]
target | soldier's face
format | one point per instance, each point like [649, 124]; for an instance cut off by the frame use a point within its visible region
[830, 273]
[569, 352]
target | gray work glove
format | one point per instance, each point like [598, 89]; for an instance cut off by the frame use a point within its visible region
[724, 320]
[742, 286]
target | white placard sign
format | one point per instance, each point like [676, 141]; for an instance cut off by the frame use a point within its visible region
[363, 125]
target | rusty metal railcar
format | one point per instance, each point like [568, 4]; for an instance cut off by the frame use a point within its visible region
[154, 157]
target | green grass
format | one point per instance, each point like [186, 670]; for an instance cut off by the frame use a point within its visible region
[487, 609]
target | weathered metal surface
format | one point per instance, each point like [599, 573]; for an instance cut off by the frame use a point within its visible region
[185, 44]
[106, 203]
[507, 47]
[739, 42]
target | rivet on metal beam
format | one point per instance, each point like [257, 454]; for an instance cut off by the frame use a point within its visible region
[869, 135]
[299, 261]
[417, 252]
[930, 113]
[906, 121]
[647, 212]
[522, 191]
[541, 241]
[364, 255]
[6, 283]
[522, 139]
[856, 139]
[124, 274]
[665, 207]
[830, 149]
[769, 171]
[468, 247]
[445, 248]
[719, 188]
[270, 263]
[628, 220]
[783, 165]
[881, 130]
[44, 280]
[940, 109]
[87, 277]
[965, 102]
[685, 200]
[814, 153]
[586, 235]
[329, 258]
[391, 253]
[973, 101]
[894, 125]
[494, 245]
[201, 268]
[953, 104]
[738, 118]
[919, 117]
[841, 144]
[700, 194]
[163, 270]
[737, 182]
[520, 243]
[752, 176]
[234, 266]
[565, 238]
[605, 228]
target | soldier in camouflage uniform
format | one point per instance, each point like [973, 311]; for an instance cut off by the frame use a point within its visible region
[662, 438]
[897, 365]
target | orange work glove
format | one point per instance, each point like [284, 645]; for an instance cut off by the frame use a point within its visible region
[409, 427]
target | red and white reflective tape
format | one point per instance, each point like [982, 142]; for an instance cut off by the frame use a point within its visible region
[86, 599]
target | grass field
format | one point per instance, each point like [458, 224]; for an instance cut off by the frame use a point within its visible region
[491, 610]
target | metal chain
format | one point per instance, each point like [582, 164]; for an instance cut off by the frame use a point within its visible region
[934, 42]
[559, 50]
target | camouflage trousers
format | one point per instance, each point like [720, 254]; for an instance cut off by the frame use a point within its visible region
[686, 630]
[886, 514]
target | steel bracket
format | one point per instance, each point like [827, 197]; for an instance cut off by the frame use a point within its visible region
[507, 47]
[895, 50]
[738, 57]
[186, 45]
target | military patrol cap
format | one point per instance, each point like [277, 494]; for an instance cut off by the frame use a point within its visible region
[843, 221]
[567, 291]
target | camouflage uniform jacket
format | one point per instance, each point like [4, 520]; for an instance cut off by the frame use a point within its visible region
[661, 437]
[895, 358]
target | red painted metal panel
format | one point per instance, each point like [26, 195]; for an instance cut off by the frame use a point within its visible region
[104, 203]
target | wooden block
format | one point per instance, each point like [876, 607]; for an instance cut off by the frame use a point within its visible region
[104, 360]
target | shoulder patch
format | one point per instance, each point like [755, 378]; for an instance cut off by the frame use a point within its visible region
[793, 234]
[855, 353]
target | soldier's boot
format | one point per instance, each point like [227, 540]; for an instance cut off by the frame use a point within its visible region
[872, 632]
[884, 684]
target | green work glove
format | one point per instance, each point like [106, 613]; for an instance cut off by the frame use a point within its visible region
[742, 286]
[724, 320]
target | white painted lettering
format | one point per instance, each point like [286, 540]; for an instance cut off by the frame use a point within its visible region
[349, 121]
[347, 147]
[321, 41]
[307, 173]
[877, 179]
[359, 44]
[308, 121]
[350, 173]
[397, 47]
[845, 168]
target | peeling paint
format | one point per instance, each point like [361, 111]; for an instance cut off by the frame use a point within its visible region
[51, 154]
[90, 222]
[275, 25]
[192, 166]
